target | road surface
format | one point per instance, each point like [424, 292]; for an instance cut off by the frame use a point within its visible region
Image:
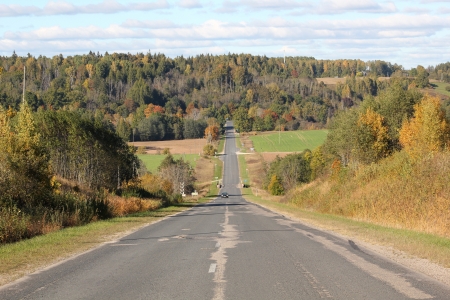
[227, 249]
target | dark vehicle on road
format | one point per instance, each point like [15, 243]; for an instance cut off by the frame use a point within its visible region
[224, 195]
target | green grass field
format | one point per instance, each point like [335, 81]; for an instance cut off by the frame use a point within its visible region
[289, 141]
[152, 161]
[440, 88]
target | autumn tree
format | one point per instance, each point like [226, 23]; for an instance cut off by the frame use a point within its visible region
[212, 133]
[25, 172]
[275, 187]
[371, 137]
[428, 130]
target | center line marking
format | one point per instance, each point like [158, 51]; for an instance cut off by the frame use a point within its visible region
[212, 268]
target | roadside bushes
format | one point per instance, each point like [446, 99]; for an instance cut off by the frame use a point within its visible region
[285, 173]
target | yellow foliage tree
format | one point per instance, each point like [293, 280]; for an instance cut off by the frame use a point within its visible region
[428, 130]
[90, 69]
[249, 96]
[372, 137]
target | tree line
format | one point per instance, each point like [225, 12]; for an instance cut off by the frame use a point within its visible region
[128, 89]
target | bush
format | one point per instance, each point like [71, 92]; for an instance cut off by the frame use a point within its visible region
[13, 225]
[447, 88]
[209, 150]
[275, 187]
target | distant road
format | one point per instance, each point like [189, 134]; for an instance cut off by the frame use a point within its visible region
[227, 249]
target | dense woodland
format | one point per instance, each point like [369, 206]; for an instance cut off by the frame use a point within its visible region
[64, 144]
[156, 97]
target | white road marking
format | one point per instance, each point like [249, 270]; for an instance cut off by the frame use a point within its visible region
[185, 229]
[163, 239]
[124, 245]
[212, 268]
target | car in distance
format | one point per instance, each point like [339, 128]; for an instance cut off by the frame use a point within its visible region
[224, 195]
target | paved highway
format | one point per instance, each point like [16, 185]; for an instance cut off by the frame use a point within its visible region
[227, 249]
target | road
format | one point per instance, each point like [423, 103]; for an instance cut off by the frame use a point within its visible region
[227, 249]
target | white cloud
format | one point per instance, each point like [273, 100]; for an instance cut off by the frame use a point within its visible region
[416, 10]
[362, 6]
[391, 26]
[189, 4]
[148, 24]
[444, 10]
[17, 10]
[67, 8]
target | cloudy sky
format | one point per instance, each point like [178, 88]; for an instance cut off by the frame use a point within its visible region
[406, 32]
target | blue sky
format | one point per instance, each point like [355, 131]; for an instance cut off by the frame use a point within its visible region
[408, 33]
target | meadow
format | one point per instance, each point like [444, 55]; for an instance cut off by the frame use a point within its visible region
[439, 87]
[288, 141]
[152, 161]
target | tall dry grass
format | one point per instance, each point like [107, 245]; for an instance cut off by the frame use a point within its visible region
[124, 206]
[394, 192]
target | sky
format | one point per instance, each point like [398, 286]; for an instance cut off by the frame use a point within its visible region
[408, 33]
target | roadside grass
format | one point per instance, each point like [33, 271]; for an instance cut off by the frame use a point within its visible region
[221, 145]
[152, 161]
[288, 141]
[27, 256]
[218, 173]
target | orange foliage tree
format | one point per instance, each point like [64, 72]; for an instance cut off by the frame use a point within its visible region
[212, 131]
[428, 130]
[153, 109]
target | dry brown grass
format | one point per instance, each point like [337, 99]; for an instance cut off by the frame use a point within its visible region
[204, 171]
[331, 80]
[393, 194]
[192, 146]
[123, 206]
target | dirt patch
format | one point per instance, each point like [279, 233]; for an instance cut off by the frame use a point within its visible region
[176, 146]
[270, 156]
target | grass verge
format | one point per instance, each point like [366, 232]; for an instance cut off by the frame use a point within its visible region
[218, 169]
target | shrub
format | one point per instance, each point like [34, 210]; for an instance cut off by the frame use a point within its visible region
[275, 187]
[209, 150]
[13, 224]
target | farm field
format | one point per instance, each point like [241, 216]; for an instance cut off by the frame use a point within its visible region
[288, 141]
[439, 87]
[193, 146]
[152, 161]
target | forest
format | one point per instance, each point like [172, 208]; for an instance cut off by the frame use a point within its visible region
[152, 97]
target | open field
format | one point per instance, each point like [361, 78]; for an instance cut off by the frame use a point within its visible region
[152, 161]
[288, 141]
[331, 80]
[193, 146]
[439, 87]
[334, 80]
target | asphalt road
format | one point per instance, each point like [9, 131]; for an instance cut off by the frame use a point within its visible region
[227, 249]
